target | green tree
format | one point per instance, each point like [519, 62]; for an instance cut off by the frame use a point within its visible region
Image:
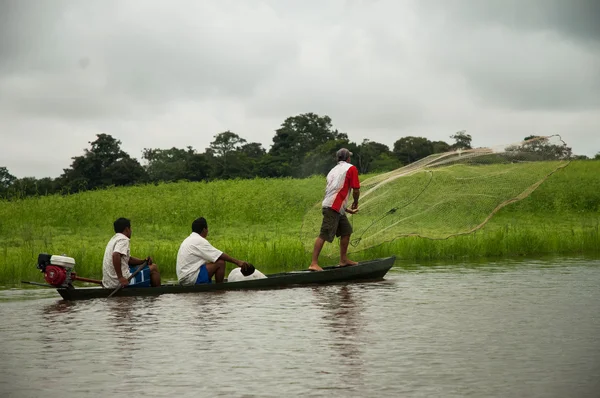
[250, 156]
[272, 166]
[6, 179]
[176, 164]
[47, 186]
[23, 187]
[124, 171]
[30, 186]
[410, 149]
[384, 162]
[462, 140]
[253, 150]
[540, 148]
[597, 157]
[367, 152]
[225, 143]
[103, 165]
[301, 134]
[228, 157]
[440, 146]
[321, 159]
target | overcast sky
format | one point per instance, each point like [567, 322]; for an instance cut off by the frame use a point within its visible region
[162, 74]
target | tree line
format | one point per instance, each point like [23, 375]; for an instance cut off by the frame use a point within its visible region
[303, 145]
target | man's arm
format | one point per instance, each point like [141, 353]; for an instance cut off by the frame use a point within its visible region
[239, 263]
[355, 196]
[139, 261]
[116, 259]
[355, 184]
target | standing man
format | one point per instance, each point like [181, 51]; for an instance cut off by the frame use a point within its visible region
[340, 180]
[118, 265]
[198, 260]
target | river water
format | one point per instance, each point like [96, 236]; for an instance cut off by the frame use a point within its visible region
[496, 329]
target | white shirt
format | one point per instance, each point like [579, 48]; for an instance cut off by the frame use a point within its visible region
[236, 275]
[193, 252]
[119, 243]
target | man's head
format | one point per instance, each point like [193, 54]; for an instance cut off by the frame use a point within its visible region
[249, 270]
[123, 226]
[200, 227]
[343, 154]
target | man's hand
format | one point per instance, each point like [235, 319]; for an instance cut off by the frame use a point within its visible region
[242, 264]
[123, 281]
[352, 211]
[149, 260]
[354, 205]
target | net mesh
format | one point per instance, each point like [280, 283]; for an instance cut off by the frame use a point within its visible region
[445, 194]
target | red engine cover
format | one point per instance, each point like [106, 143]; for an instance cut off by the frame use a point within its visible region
[54, 275]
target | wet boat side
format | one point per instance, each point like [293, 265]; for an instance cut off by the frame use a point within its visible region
[364, 271]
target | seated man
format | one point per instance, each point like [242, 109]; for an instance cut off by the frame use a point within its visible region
[118, 265]
[198, 260]
[239, 275]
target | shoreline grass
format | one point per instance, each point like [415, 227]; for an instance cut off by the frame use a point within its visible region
[259, 221]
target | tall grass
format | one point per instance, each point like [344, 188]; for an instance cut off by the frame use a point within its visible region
[260, 220]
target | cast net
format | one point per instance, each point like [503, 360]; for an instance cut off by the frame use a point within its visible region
[445, 194]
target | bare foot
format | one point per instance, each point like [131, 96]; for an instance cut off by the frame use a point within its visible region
[347, 263]
[315, 267]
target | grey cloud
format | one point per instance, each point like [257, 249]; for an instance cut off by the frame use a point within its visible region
[525, 55]
[162, 74]
[577, 19]
[529, 76]
[102, 53]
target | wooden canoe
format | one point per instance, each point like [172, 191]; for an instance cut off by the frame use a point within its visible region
[371, 270]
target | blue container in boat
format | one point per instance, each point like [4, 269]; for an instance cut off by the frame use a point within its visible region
[142, 279]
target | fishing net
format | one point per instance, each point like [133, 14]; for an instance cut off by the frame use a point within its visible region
[445, 194]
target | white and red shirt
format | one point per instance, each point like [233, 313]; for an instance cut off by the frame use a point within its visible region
[339, 181]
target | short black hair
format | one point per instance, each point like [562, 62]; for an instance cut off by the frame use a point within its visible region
[199, 224]
[121, 224]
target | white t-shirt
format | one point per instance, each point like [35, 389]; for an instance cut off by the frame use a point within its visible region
[193, 252]
[236, 275]
[119, 243]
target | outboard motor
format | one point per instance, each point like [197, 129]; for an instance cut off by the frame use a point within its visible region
[57, 269]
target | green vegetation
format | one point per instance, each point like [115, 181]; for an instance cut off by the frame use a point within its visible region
[259, 220]
[304, 145]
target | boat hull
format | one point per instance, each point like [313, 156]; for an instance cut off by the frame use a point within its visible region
[365, 271]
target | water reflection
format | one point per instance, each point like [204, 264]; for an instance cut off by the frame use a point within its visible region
[343, 316]
[50, 311]
[527, 331]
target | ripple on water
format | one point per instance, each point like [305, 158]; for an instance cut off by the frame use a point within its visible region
[522, 329]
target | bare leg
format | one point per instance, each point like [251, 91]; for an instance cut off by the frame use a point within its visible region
[217, 269]
[344, 260]
[154, 275]
[314, 265]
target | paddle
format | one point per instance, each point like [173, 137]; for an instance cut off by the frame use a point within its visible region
[38, 284]
[79, 278]
[137, 271]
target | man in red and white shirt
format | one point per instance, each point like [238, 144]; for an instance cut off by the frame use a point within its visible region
[340, 180]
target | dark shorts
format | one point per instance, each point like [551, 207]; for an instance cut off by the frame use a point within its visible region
[203, 275]
[334, 224]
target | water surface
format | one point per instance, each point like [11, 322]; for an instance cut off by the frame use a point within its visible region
[504, 329]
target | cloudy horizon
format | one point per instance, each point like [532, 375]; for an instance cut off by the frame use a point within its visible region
[158, 74]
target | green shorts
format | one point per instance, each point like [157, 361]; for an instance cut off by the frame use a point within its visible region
[334, 224]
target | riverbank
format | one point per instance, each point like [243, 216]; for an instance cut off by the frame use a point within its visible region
[259, 220]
